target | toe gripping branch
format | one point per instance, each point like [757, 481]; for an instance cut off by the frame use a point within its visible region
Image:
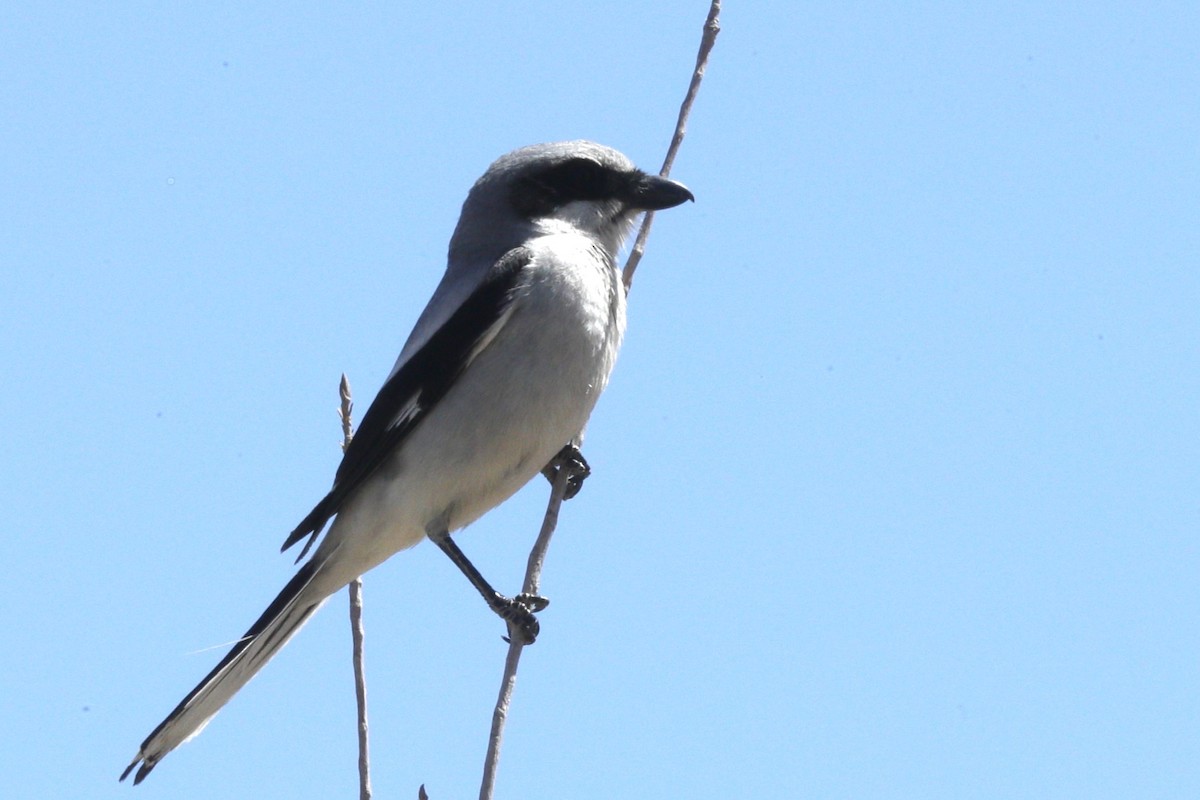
[571, 459]
[518, 612]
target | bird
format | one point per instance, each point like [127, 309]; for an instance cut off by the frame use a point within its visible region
[495, 382]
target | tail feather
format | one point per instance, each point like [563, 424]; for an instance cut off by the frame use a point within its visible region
[270, 632]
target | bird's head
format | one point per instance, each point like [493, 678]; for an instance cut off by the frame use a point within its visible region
[564, 186]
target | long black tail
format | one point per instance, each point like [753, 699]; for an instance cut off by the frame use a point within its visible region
[271, 631]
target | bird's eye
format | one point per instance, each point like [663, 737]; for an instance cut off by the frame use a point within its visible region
[581, 179]
[576, 179]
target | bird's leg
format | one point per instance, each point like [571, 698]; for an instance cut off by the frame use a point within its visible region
[571, 459]
[517, 611]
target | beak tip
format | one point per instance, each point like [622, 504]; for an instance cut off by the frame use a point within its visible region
[657, 193]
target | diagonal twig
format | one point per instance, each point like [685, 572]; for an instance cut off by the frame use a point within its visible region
[533, 574]
[712, 26]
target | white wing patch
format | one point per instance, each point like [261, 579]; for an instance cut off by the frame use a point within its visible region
[413, 408]
[490, 334]
[410, 410]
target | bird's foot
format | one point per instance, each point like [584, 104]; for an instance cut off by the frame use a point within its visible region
[519, 612]
[571, 459]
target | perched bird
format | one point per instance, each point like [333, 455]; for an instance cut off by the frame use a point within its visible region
[498, 377]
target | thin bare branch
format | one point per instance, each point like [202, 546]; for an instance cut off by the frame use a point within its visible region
[356, 623]
[712, 26]
[533, 573]
[360, 690]
[533, 578]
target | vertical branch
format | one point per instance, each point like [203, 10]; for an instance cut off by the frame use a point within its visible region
[712, 26]
[356, 624]
[360, 689]
[533, 573]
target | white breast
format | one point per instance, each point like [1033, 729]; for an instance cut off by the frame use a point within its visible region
[524, 396]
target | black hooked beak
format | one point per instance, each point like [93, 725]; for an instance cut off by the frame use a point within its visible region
[652, 193]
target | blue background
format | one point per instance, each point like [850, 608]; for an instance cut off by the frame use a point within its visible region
[897, 484]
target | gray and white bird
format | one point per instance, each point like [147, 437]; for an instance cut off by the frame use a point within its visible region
[498, 376]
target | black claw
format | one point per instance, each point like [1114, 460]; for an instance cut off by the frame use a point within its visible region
[571, 459]
[518, 612]
[534, 602]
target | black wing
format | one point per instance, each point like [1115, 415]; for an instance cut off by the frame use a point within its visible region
[416, 388]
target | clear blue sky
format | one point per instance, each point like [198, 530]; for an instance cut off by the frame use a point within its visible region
[896, 484]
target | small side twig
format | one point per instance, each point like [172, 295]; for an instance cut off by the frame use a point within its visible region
[356, 623]
[712, 26]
